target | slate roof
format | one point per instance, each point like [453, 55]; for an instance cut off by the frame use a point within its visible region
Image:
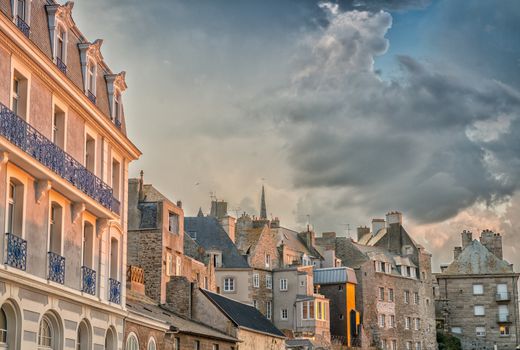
[248, 238]
[334, 275]
[211, 236]
[291, 239]
[169, 318]
[243, 315]
[477, 259]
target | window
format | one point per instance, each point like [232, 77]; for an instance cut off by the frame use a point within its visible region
[283, 314]
[169, 264]
[418, 345]
[21, 9]
[478, 289]
[256, 280]
[178, 266]
[283, 284]
[308, 310]
[91, 78]
[381, 294]
[384, 344]
[407, 322]
[480, 331]
[19, 95]
[407, 297]
[416, 298]
[269, 281]
[504, 331]
[382, 321]
[55, 228]
[58, 128]
[177, 344]
[217, 259]
[378, 266]
[114, 259]
[393, 344]
[413, 272]
[151, 344]
[229, 284]
[116, 178]
[196, 345]
[45, 336]
[479, 310]
[267, 260]
[456, 330]
[268, 309]
[215, 346]
[340, 287]
[3, 327]
[90, 154]
[117, 107]
[255, 304]
[60, 44]
[15, 208]
[341, 317]
[391, 295]
[408, 345]
[502, 293]
[417, 324]
[173, 223]
[319, 310]
[392, 321]
[503, 313]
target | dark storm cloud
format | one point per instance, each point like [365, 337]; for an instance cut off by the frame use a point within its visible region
[430, 143]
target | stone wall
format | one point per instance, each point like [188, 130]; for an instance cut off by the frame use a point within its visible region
[178, 295]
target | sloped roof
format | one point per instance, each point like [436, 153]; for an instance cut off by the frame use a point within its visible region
[334, 275]
[169, 318]
[243, 315]
[477, 259]
[211, 236]
[247, 238]
[291, 240]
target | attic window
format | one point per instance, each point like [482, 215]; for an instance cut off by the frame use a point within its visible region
[91, 81]
[60, 50]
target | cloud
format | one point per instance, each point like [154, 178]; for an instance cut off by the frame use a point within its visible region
[429, 143]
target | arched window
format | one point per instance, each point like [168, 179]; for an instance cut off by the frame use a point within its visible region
[49, 333]
[151, 344]
[15, 208]
[110, 339]
[84, 341]
[9, 326]
[131, 342]
[3, 327]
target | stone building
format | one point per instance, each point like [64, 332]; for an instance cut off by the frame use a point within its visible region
[64, 157]
[338, 284]
[477, 295]
[156, 241]
[394, 292]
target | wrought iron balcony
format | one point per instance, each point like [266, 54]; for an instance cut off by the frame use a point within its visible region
[118, 123]
[115, 291]
[89, 280]
[16, 251]
[503, 318]
[91, 96]
[61, 65]
[24, 136]
[24, 27]
[504, 296]
[56, 268]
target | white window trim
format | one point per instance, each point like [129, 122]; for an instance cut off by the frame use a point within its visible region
[14, 7]
[18, 175]
[132, 335]
[26, 73]
[284, 286]
[286, 313]
[151, 341]
[60, 26]
[256, 280]
[91, 219]
[232, 284]
[90, 133]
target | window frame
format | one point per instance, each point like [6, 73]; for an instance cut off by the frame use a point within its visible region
[282, 311]
[284, 285]
[226, 286]
[151, 341]
[478, 285]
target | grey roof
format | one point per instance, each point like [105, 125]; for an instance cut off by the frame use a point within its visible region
[243, 315]
[477, 259]
[211, 236]
[169, 318]
[334, 275]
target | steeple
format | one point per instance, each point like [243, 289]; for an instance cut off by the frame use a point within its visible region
[263, 209]
[200, 214]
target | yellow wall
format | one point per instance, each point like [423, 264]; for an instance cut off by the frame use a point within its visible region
[351, 305]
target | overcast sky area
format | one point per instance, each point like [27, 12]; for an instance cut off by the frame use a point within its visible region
[344, 110]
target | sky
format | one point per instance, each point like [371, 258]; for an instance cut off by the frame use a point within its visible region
[344, 110]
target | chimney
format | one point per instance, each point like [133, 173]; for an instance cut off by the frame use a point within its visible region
[362, 231]
[467, 238]
[141, 183]
[179, 204]
[394, 217]
[135, 279]
[308, 237]
[493, 242]
[179, 295]
[218, 209]
[456, 252]
[228, 223]
[377, 224]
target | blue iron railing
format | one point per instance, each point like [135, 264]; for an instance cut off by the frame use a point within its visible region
[118, 123]
[56, 268]
[115, 291]
[89, 280]
[16, 251]
[61, 65]
[91, 96]
[24, 27]
[23, 135]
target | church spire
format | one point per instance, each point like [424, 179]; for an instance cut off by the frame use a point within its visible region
[200, 214]
[263, 209]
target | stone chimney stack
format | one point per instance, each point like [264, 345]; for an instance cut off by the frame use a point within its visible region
[394, 217]
[229, 225]
[141, 184]
[456, 252]
[467, 238]
[218, 209]
[362, 231]
[377, 224]
[493, 242]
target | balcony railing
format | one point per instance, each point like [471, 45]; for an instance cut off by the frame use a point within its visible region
[89, 280]
[504, 296]
[24, 27]
[56, 268]
[16, 255]
[115, 291]
[91, 96]
[135, 274]
[118, 123]
[23, 135]
[61, 65]
[503, 318]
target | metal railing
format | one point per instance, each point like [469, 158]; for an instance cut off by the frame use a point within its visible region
[91, 96]
[115, 291]
[56, 271]
[16, 251]
[23, 26]
[61, 65]
[118, 123]
[23, 135]
[504, 296]
[88, 280]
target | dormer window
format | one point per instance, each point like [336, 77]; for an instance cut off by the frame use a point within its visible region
[21, 16]
[117, 109]
[91, 81]
[61, 48]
